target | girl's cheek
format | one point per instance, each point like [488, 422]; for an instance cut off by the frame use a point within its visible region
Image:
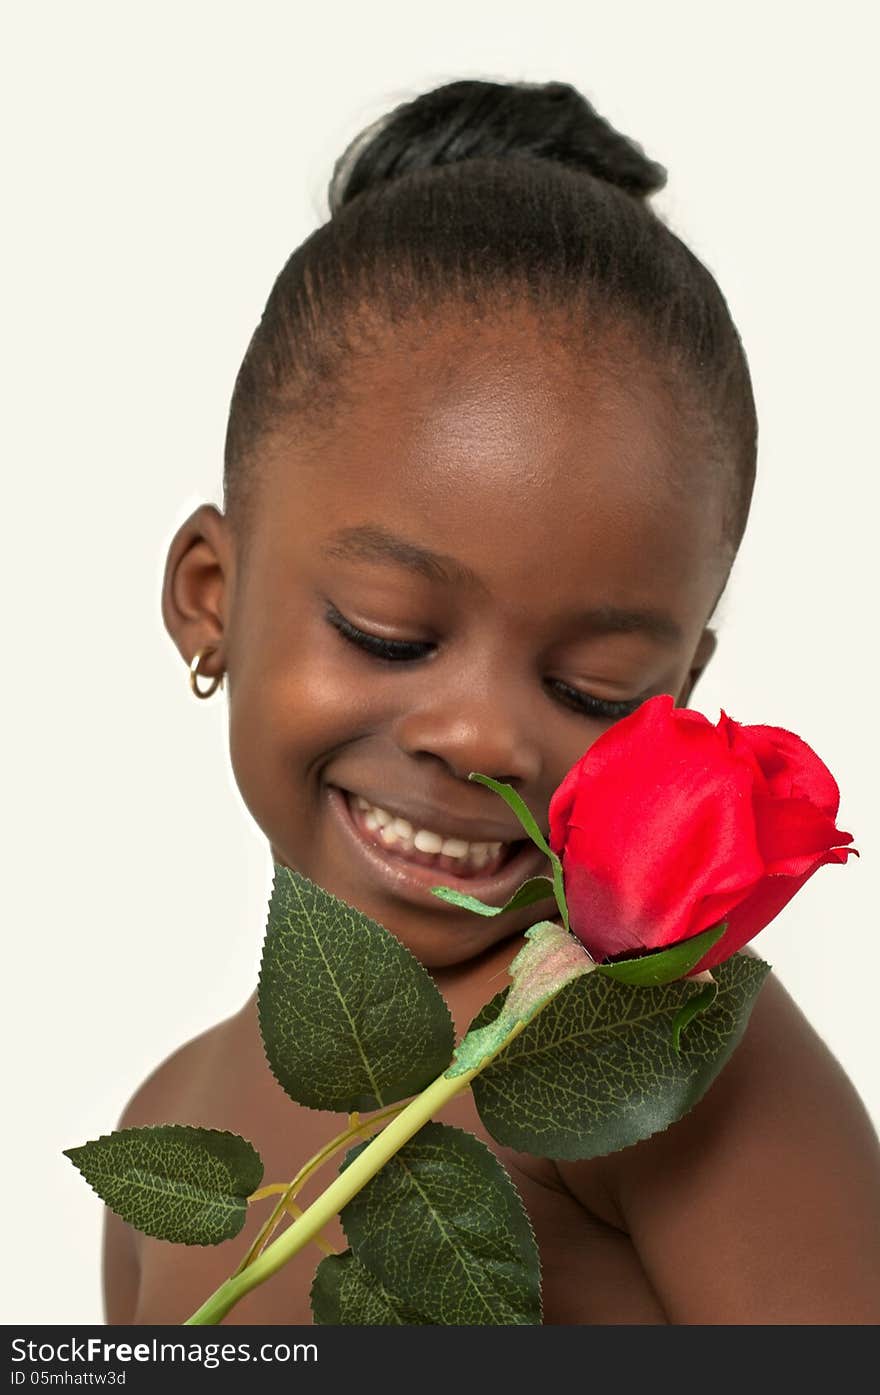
[292, 707]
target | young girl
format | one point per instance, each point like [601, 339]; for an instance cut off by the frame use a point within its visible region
[489, 459]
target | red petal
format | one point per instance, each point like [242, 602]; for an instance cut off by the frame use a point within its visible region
[791, 767]
[791, 830]
[662, 823]
[757, 911]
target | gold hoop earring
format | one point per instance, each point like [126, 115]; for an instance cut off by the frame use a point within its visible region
[194, 673]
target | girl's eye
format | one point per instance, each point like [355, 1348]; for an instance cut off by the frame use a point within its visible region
[596, 707]
[402, 651]
[398, 649]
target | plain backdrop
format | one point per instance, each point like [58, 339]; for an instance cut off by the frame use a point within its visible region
[162, 161]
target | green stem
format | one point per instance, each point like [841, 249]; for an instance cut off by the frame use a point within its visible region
[340, 1192]
[357, 1128]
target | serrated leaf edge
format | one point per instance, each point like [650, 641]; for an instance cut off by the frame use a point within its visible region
[318, 1108]
[393, 1297]
[150, 1128]
[655, 1132]
[451, 1128]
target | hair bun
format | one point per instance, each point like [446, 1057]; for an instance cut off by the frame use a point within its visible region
[472, 119]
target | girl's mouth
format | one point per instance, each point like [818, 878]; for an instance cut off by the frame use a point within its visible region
[411, 872]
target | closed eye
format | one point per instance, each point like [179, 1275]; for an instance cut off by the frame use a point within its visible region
[399, 650]
[409, 651]
[593, 706]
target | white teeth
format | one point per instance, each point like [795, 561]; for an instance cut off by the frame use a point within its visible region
[394, 830]
[426, 841]
[454, 847]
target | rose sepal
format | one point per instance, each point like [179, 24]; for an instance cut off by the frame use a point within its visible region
[700, 1002]
[527, 819]
[661, 966]
[534, 889]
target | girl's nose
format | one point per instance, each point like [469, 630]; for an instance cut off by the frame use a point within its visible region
[474, 728]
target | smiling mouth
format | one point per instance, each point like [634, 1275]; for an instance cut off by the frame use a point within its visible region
[412, 873]
[472, 858]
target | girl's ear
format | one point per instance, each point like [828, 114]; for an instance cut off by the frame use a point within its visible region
[704, 651]
[197, 586]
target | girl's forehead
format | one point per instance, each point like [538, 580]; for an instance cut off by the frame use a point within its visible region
[500, 443]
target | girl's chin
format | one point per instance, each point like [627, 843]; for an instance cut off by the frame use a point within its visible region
[441, 950]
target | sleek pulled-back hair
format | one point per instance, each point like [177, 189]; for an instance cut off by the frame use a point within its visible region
[486, 194]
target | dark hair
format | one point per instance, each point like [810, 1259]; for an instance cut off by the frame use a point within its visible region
[485, 193]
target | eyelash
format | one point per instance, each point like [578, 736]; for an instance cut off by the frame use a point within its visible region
[401, 651]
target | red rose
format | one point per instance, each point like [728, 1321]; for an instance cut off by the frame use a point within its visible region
[668, 825]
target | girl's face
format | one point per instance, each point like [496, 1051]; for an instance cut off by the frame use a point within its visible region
[535, 537]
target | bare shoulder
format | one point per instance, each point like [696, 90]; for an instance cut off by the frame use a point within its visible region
[218, 1080]
[159, 1099]
[762, 1205]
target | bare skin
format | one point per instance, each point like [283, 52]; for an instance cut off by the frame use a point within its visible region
[561, 492]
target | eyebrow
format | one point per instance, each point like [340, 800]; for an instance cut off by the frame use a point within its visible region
[372, 542]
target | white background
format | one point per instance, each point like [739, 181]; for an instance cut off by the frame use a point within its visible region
[163, 161]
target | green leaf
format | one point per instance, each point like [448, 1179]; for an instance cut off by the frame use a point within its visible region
[350, 1019]
[173, 1181]
[664, 965]
[526, 894]
[442, 1226]
[529, 823]
[596, 1069]
[697, 1004]
[346, 1294]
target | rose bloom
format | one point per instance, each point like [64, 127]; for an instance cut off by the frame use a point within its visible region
[668, 825]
